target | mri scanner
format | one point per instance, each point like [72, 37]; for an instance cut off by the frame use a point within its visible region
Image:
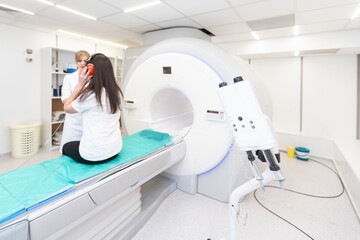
[171, 87]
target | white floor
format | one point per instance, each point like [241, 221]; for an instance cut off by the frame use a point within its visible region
[196, 217]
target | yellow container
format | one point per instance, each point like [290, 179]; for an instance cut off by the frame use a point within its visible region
[291, 152]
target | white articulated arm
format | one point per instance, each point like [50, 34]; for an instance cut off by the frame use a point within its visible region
[252, 131]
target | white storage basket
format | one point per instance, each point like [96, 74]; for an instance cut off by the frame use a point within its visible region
[25, 139]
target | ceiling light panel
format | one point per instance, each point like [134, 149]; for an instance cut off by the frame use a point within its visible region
[255, 35]
[31, 6]
[217, 18]
[47, 2]
[124, 20]
[184, 22]
[75, 12]
[124, 4]
[271, 23]
[142, 6]
[266, 9]
[63, 17]
[158, 13]
[355, 23]
[327, 14]
[241, 2]
[194, 7]
[93, 8]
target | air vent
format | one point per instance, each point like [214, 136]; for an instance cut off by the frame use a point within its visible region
[8, 10]
[207, 32]
[271, 23]
[12, 13]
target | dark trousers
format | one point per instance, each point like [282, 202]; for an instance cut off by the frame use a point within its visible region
[71, 149]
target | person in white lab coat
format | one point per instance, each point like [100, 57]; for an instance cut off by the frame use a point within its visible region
[72, 130]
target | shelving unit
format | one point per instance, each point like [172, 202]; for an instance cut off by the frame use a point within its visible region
[118, 70]
[51, 80]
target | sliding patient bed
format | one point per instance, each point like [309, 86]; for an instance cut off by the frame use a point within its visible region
[63, 199]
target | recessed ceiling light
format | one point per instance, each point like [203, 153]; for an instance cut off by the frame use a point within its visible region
[296, 30]
[71, 33]
[355, 14]
[94, 39]
[255, 35]
[142, 6]
[47, 2]
[75, 12]
[16, 9]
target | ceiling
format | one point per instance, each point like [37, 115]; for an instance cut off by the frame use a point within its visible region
[229, 20]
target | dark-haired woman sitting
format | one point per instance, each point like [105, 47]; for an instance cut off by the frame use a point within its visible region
[98, 99]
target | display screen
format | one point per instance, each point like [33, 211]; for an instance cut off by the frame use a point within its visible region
[166, 70]
[211, 111]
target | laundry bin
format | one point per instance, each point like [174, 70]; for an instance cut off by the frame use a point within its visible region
[25, 138]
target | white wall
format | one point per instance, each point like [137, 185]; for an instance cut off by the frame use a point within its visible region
[328, 97]
[20, 81]
[329, 90]
[283, 81]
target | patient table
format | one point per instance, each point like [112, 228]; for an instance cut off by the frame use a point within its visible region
[63, 199]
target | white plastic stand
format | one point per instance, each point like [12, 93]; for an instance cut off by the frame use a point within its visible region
[237, 195]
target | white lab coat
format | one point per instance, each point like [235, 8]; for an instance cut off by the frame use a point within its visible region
[72, 126]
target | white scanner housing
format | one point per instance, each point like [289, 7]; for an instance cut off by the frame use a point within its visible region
[174, 84]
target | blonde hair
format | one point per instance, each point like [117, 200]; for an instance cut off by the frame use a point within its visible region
[81, 53]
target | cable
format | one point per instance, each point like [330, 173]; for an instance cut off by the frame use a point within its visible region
[281, 217]
[42, 147]
[305, 194]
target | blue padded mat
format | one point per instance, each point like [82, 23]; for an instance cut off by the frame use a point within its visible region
[24, 188]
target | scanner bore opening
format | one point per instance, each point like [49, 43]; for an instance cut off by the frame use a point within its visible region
[171, 112]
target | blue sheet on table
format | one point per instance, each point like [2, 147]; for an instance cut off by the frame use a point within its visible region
[24, 189]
